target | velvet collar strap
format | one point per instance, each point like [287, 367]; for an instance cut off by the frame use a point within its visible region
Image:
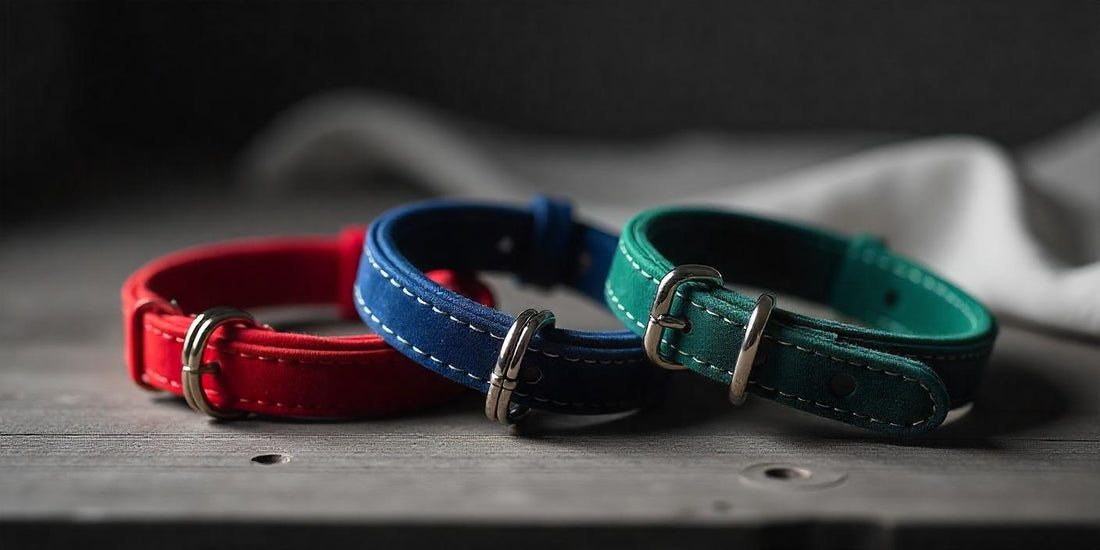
[562, 370]
[262, 370]
[920, 349]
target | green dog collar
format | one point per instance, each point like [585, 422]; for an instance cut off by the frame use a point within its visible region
[922, 348]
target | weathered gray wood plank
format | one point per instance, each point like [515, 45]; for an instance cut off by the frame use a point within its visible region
[82, 449]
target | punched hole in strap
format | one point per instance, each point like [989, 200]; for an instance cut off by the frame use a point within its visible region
[551, 256]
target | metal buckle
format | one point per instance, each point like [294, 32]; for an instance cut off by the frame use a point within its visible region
[659, 318]
[505, 377]
[194, 344]
[754, 332]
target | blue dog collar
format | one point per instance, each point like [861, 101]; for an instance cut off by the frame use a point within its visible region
[578, 372]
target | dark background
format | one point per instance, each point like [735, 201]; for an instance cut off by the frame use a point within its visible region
[96, 96]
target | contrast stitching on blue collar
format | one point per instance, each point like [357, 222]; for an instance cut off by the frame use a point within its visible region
[569, 371]
[390, 331]
[421, 301]
[366, 310]
[471, 326]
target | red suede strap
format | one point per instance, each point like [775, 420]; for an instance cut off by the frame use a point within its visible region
[262, 370]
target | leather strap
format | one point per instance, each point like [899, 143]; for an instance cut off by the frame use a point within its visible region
[921, 349]
[567, 371]
[262, 370]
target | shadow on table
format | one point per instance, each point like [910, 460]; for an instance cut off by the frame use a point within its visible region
[1013, 398]
[855, 534]
[689, 400]
[461, 405]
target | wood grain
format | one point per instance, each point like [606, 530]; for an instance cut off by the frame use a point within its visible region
[87, 456]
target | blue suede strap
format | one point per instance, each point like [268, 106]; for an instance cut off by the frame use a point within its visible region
[577, 372]
[553, 238]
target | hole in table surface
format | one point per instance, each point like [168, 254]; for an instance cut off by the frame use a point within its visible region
[781, 476]
[787, 473]
[271, 459]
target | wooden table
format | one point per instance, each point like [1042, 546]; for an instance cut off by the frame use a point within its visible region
[87, 458]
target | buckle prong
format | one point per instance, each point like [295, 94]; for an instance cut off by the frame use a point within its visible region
[659, 316]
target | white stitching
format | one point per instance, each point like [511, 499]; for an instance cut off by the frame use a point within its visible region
[919, 278]
[883, 263]
[828, 406]
[637, 267]
[680, 294]
[425, 303]
[421, 301]
[165, 380]
[212, 347]
[615, 299]
[915, 276]
[388, 330]
[955, 357]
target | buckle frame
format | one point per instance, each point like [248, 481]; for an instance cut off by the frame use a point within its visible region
[746, 356]
[659, 316]
[194, 344]
[505, 377]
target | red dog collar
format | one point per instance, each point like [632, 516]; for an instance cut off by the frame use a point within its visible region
[260, 369]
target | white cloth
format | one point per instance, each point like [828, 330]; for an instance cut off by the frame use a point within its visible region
[955, 203]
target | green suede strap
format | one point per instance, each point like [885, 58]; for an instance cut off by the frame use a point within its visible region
[920, 350]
